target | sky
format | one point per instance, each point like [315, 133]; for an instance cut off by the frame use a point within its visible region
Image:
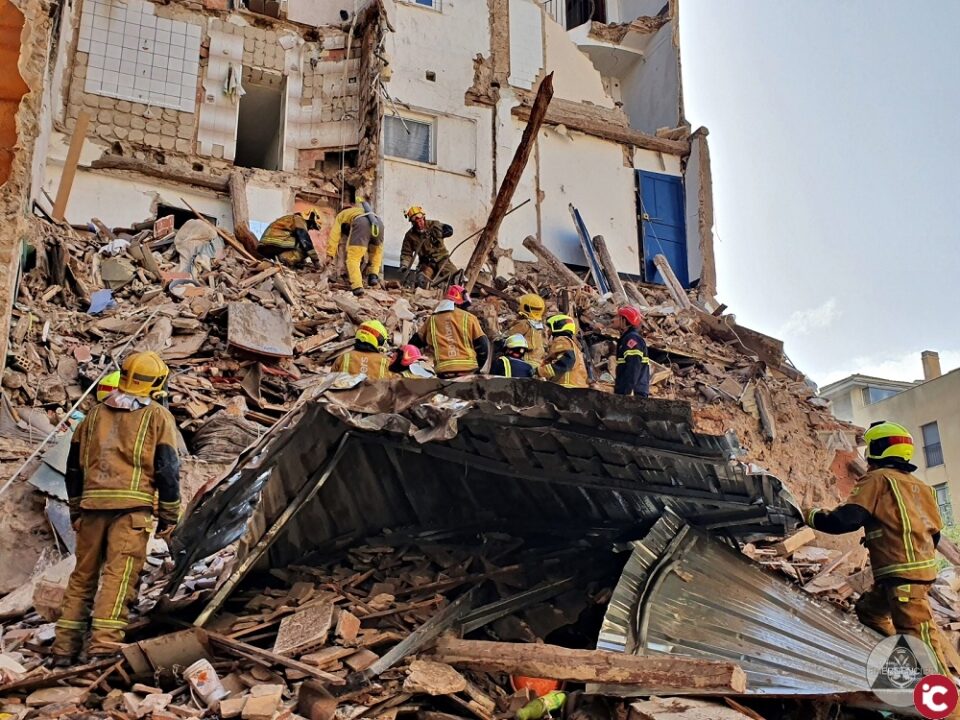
[836, 174]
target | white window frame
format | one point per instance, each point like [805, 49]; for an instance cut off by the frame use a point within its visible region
[434, 4]
[429, 120]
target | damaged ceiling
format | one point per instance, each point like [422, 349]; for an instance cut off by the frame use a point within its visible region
[494, 454]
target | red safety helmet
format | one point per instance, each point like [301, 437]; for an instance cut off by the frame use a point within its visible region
[631, 315]
[409, 354]
[459, 295]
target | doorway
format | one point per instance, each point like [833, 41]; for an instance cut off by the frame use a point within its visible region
[662, 225]
[260, 122]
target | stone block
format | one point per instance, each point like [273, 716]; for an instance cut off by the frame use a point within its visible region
[167, 143]
[105, 116]
[152, 139]
[106, 103]
[168, 129]
[136, 136]
[105, 131]
[121, 119]
[138, 123]
[124, 106]
[184, 146]
[121, 133]
[153, 126]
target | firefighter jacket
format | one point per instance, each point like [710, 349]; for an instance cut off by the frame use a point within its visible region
[901, 522]
[428, 244]
[123, 456]
[287, 237]
[633, 365]
[564, 363]
[364, 228]
[455, 338]
[364, 359]
[535, 336]
[506, 366]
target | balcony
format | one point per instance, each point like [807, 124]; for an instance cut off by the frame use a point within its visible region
[574, 13]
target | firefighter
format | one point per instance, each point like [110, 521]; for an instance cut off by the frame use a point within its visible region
[564, 361]
[454, 336]
[123, 457]
[364, 231]
[367, 356]
[424, 239]
[407, 362]
[633, 365]
[288, 239]
[901, 521]
[513, 363]
[530, 325]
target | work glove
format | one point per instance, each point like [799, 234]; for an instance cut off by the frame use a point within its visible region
[807, 515]
[165, 529]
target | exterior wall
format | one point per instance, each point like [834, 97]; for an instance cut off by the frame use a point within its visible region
[935, 400]
[842, 405]
[651, 89]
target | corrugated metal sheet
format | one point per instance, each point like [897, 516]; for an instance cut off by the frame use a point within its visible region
[683, 592]
[489, 453]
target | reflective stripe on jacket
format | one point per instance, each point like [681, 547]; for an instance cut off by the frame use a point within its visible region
[576, 376]
[535, 336]
[450, 335]
[374, 365]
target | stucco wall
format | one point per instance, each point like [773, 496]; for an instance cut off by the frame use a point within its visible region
[651, 90]
[933, 401]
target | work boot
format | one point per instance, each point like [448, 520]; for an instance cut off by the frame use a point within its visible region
[422, 281]
[373, 280]
[55, 660]
[358, 291]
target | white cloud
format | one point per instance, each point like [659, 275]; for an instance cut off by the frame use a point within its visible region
[802, 322]
[904, 367]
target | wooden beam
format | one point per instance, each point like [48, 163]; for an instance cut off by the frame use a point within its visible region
[241, 212]
[70, 165]
[677, 292]
[602, 123]
[565, 274]
[488, 238]
[164, 172]
[251, 652]
[765, 405]
[655, 672]
[610, 270]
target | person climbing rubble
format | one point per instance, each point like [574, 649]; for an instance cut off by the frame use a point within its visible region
[407, 362]
[633, 365]
[530, 325]
[513, 363]
[363, 229]
[367, 357]
[901, 519]
[123, 458]
[454, 336]
[564, 363]
[287, 239]
[424, 240]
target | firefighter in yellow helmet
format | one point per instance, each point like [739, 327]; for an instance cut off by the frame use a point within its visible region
[288, 239]
[424, 240]
[364, 231]
[901, 521]
[108, 383]
[122, 460]
[367, 356]
[530, 325]
[564, 363]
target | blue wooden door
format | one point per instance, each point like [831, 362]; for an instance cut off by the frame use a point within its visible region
[662, 224]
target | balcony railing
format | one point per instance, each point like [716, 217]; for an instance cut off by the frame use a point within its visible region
[573, 13]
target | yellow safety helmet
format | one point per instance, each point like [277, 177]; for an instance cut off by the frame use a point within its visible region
[143, 374]
[888, 440]
[532, 306]
[561, 324]
[108, 383]
[413, 211]
[373, 333]
[516, 342]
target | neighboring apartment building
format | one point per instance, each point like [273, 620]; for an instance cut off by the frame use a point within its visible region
[401, 101]
[929, 409]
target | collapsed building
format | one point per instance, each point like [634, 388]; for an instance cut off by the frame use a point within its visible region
[336, 529]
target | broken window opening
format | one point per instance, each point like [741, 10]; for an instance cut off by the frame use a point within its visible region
[409, 139]
[270, 8]
[12, 88]
[180, 215]
[584, 11]
[260, 122]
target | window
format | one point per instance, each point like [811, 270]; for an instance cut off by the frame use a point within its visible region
[427, 3]
[409, 139]
[932, 450]
[943, 500]
[873, 395]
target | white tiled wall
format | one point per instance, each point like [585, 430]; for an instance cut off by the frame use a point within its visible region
[135, 55]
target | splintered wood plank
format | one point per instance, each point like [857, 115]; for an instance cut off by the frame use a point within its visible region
[305, 629]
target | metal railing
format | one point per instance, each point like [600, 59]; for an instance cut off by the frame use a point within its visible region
[573, 13]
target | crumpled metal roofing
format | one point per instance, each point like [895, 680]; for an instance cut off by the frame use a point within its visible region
[685, 593]
[487, 453]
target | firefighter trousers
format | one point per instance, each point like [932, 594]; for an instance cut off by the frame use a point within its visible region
[890, 609]
[111, 550]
